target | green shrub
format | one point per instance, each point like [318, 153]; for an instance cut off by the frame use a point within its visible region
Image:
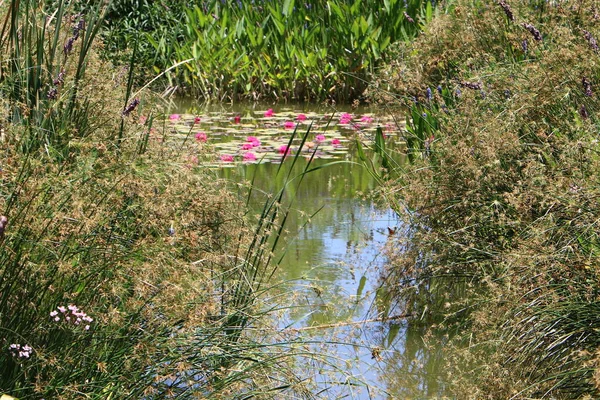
[504, 194]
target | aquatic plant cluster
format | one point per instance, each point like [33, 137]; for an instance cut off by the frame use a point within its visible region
[264, 135]
[269, 49]
[502, 196]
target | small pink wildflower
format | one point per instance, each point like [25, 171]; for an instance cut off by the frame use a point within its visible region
[366, 119]
[174, 117]
[320, 138]
[301, 117]
[196, 120]
[72, 314]
[249, 156]
[20, 351]
[269, 113]
[201, 137]
[289, 125]
[285, 150]
[336, 142]
[227, 158]
[143, 119]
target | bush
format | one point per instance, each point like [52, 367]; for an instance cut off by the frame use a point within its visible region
[502, 191]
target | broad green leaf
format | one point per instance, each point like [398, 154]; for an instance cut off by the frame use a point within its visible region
[288, 7]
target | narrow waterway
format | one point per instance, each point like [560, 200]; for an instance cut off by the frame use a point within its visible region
[332, 254]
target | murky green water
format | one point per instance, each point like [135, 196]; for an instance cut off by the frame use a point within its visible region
[332, 263]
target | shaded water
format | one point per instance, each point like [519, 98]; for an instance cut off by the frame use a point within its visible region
[333, 260]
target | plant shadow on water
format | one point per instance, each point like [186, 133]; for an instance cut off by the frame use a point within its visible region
[330, 257]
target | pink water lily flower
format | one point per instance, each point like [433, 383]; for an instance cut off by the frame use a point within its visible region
[248, 146]
[196, 120]
[320, 138]
[289, 125]
[366, 119]
[345, 118]
[174, 117]
[201, 137]
[301, 117]
[269, 113]
[227, 158]
[253, 140]
[237, 119]
[284, 149]
[336, 142]
[249, 156]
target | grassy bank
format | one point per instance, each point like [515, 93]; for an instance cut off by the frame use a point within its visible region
[123, 272]
[503, 193]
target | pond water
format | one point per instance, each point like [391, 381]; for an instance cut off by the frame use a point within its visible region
[332, 264]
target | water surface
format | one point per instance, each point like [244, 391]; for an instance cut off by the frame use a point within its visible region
[333, 259]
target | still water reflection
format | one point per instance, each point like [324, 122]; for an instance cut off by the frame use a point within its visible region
[332, 268]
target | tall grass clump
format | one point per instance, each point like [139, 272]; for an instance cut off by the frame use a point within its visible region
[502, 193]
[287, 50]
[124, 273]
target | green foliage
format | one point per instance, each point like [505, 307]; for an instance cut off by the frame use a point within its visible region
[41, 68]
[101, 214]
[504, 194]
[270, 49]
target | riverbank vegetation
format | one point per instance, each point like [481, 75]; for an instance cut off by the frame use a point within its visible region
[502, 194]
[128, 272]
[270, 50]
[124, 272]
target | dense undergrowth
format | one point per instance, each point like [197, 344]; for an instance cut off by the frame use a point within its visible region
[291, 50]
[502, 194]
[123, 272]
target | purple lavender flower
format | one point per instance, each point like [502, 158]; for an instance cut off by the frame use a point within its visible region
[68, 48]
[534, 32]
[583, 112]
[78, 28]
[587, 86]
[130, 107]
[429, 94]
[472, 85]
[507, 10]
[52, 93]
[591, 40]
[60, 78]
[3, 223]
[524, 45]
